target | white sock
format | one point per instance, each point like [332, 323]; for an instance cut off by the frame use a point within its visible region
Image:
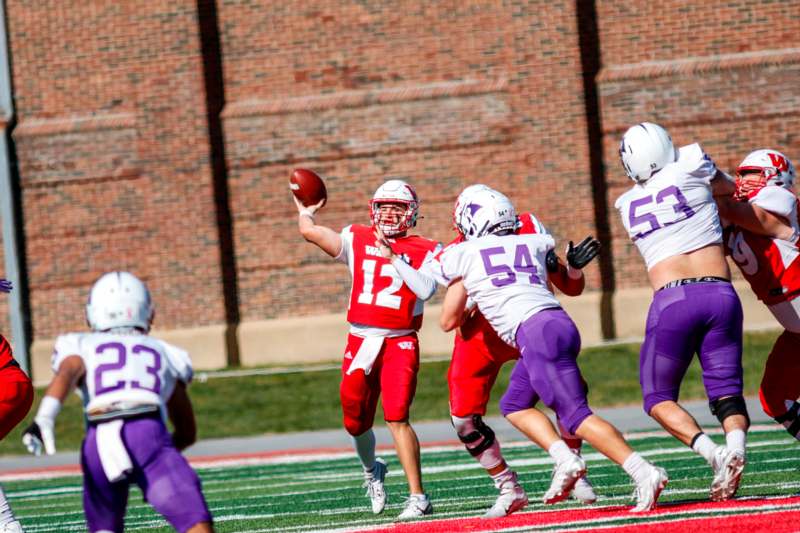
[703, 445]
[6, 515]
[637, 467]
[735, 440]
[507, 476]
[560, 451]
[365, 448]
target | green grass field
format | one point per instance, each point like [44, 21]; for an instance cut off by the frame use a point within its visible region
[253, 405]
[319, 493]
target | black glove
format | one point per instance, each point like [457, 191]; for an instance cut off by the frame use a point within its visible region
[580, 255]
[551, 261]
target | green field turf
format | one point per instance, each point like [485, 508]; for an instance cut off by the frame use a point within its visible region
[314, 495]
[302, 401]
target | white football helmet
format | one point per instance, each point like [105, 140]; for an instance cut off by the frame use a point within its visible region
[395, 192]
[645, 149]
[483, 212]
[119, 299]
[464, 198]
[761, 168]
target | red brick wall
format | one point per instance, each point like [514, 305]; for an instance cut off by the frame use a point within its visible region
[721, 73]
[114, 153]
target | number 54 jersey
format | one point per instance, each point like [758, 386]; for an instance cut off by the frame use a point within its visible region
[673, 212]
[124, 371]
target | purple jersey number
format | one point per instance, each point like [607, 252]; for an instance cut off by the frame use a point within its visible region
[122, 359]
[682, 206]
[523, 263]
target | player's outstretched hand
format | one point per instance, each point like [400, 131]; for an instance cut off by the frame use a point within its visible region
[5, 285]
[311, 209]
[38, 437]
[382, 243]
[580, 255]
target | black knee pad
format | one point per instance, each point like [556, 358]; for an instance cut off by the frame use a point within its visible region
[481, 433]
[732, 405]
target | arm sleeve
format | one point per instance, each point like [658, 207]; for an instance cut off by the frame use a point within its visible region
[699, 165]
[420, 283]
[776, 200]
[449, 262]
[347, 246]
[65, 346]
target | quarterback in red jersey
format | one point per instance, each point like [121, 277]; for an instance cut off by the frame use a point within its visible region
[478, 355]
[763, 242]
[382, 353]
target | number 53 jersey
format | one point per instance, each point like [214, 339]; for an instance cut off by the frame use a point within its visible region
[124, 371]
[506, 277]
[673, 212]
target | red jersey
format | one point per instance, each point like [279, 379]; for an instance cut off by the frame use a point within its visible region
[770, 265]
[5, 352]
[378, 296]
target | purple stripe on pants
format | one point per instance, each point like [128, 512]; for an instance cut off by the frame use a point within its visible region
[547, 369]
[168, 482]
[702, 318]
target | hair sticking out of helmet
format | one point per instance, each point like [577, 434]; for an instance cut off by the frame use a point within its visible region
[398, 193]
[762, 168]
[644, 150]
[119, 300]
[484, 212]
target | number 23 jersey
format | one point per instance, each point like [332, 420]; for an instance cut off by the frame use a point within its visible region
[378, 296]
[673, 212]
[124, 368]
[506, 277]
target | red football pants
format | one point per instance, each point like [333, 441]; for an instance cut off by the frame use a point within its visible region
[393, 375]
[781, 381]
[478, 354]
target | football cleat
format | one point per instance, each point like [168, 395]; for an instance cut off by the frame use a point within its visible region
[374, 485]
[583, 491]
[12, 527]
[511, 499]
[416, 506]
[647, 493]
[728, 466]
[565, 475]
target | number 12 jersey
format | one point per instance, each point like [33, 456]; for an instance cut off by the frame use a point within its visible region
[673, 212]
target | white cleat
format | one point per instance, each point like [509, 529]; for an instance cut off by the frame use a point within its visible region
[647, 493]
[728, 466]
[12, 527]
[583, 491]
[416, 507]
[511, 499]
[565, 475]
[375, 489]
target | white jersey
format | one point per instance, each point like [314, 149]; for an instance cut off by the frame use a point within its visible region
[505, 275]
[124, 371]
[673, 212]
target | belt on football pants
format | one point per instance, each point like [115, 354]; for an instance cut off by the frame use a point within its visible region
[689, 281]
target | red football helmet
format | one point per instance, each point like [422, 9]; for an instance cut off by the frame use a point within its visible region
[762, 168]
[395, 192]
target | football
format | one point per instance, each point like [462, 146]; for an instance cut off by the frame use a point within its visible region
[307, 186]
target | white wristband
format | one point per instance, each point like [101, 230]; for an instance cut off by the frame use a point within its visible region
[49, 408]
[308, 213]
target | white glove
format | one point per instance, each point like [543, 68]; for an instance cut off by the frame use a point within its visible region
[40, 435]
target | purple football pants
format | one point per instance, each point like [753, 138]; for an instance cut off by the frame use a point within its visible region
[547, 369]
[168, 482]
[702, 318]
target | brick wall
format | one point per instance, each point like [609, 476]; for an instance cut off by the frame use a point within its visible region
[113, 147]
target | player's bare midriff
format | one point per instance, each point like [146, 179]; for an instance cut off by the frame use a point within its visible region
[706, 261]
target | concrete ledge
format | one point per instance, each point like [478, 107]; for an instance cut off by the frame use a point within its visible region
[206, 346]
[321, 338]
